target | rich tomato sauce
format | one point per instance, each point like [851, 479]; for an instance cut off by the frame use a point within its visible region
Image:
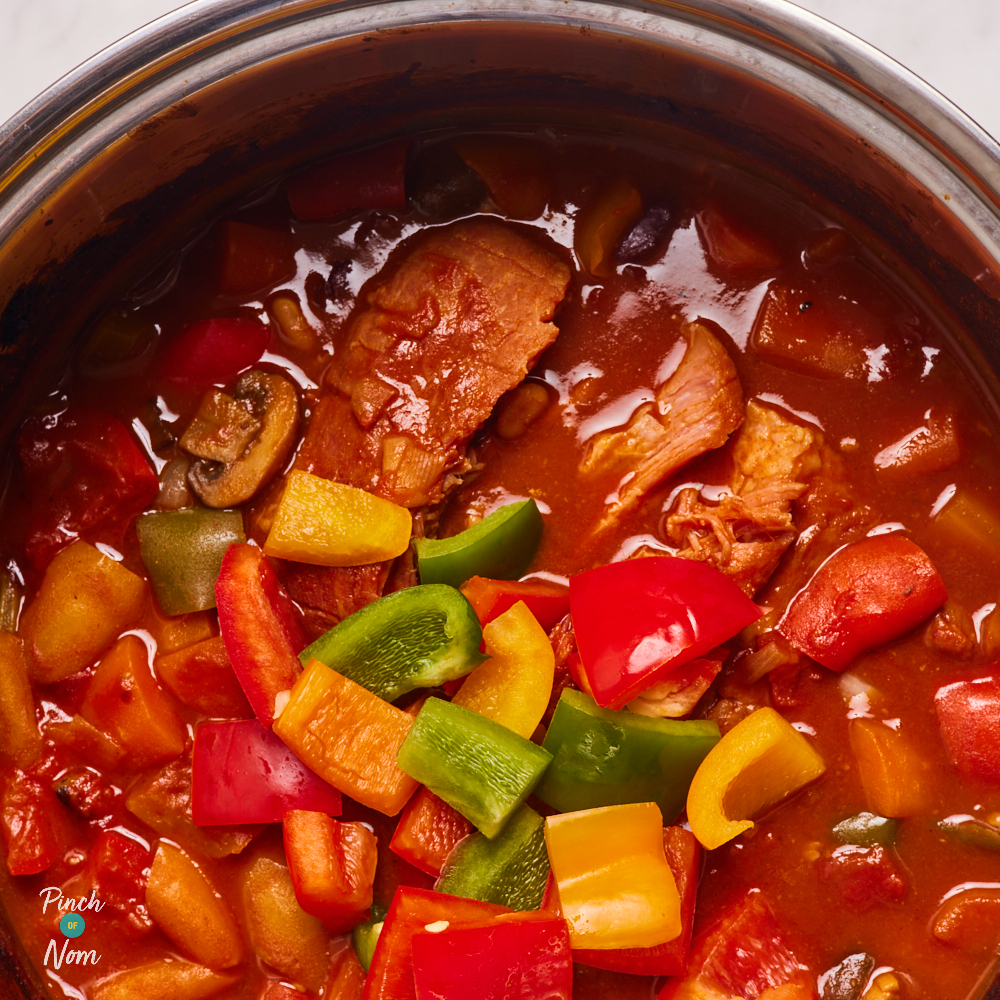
[620, 337]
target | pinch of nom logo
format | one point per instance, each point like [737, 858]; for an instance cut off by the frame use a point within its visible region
[72, 924]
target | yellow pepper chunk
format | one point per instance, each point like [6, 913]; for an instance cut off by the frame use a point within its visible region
[615, 886]
[896, 777]
[325, 523]
[759, 762]
[514, 685]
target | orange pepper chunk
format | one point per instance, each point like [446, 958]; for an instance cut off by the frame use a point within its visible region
[603, 224]
[615, 886]
[85, 601]
[348, 736]
[201, 676]
[759, 762]
[513, 686]
[124, 700]
[894, 774]
[330, 524]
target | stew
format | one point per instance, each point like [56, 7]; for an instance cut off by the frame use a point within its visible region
[516, 565]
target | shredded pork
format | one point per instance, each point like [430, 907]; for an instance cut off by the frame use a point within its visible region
[695, 410]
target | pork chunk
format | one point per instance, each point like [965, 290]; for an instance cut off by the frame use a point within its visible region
[695, 410]
[441, 337]
[454, 325]
[746, 533]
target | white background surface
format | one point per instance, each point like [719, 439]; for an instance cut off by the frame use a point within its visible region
[954, 46]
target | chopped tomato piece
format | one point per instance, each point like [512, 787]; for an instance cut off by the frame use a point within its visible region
[118, 868]
[865, 876]
[365, 179]
[864, 595]
[253, 258]
[32, 824]
[84, 472]
[969, 714]
[810, 330]
[548, 602]
[261, 633]
[635, 621]
[741, 954]
[733, 246]
[427, 831]
[332, 865]
[515, 956]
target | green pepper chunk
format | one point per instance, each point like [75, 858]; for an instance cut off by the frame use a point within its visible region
[971, 831]
[418, 637]
[867, 829]
[482, 769]
[607, 758]
[500, 547]
[511, 869]
[183, 550]
[364, 937]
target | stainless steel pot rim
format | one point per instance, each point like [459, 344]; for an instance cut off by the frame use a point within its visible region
[214, 37]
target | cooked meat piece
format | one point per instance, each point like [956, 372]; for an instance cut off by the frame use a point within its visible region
[746, 533]
[679, 693]
[695, 410]
[328, 594]
[952, 631]
[440, 338]
[454, 325]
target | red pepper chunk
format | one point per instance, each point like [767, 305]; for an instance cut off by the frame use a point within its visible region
[84, 472]
[427, 831]
[548, 602]
[635, 621]
[516, 956]
[390, 975]
[366, 179]
[864, 595]
[242, 773]
[262, 635]
[211, 351]
[332, 865]
[969, 714]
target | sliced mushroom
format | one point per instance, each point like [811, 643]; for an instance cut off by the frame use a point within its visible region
[242, 440]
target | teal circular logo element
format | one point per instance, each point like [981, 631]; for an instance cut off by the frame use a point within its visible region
[72, 925]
